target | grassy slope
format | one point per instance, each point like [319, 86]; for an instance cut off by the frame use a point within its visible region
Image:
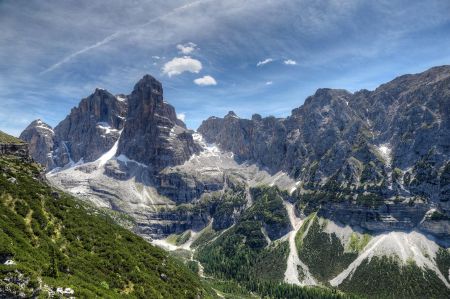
[5, 138]
[61, 243]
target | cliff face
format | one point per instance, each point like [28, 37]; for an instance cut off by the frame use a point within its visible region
[40, 138]
[90, 129]
[153, 135]
[396, 137]
[19, 150]
[377, 159]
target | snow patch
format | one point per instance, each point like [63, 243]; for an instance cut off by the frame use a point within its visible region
[109, 154]
[121, 98]
[385, 152]
[126, 160]
[208, 150]
[106, 128]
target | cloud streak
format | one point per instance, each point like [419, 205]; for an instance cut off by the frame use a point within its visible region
[265, 61]
[120, 33]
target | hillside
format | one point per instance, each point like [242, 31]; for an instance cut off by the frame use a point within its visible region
[8, 139]
[49, 240]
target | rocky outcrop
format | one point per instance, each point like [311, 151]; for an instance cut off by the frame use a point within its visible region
[90, 129]
[18, 150]
[40, 138]
[359, 158]
[153, 134]
[396, 133]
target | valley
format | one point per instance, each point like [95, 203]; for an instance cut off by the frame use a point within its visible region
[337, 200]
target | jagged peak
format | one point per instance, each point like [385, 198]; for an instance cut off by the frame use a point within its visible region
[101, 91]
[256, 117]
[430, 76]
[148, 81]
[231, 114]
[38, 123]
[331, 92]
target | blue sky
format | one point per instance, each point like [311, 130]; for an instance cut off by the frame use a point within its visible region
[209, 54]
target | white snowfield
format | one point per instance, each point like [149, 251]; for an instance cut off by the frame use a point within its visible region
[89, 182]
[293, 261]
[109, 154]
[412, 246]
[385, 151]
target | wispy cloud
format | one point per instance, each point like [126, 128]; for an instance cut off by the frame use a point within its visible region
[120, 33]
[187, 48]
[290, 62]
[265, 61]
[80, 45]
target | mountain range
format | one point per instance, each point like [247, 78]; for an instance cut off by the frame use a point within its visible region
[349, 189]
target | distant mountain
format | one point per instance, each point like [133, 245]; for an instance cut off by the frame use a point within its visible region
[350, 184]
[376, 148]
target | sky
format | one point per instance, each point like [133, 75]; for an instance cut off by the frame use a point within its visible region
[255, 56]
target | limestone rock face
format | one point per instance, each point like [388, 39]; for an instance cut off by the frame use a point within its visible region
[153, 135]
[40, 139]
[396, 137]
[377, 160]
[18, 150]
[92, 128]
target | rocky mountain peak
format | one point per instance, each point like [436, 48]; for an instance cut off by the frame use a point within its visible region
[153, 134]
[148, 89]
[231, 114]
[90, 129]
[39, 137]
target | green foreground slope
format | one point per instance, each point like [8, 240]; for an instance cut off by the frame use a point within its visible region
[5, 138]
[50, 240]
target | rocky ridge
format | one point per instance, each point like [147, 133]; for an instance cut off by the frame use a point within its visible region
[340, 153]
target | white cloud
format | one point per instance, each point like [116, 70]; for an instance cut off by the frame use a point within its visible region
[265, 61]
[156, 57]
[205, 81]
[187, 48]
[181, 116]
[290, 62]
[180, 65]
[269, 82]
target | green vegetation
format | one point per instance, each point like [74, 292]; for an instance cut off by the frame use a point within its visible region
[323, 253]
[357, 243]
[301, 232]
[7, 139]
[241, 259]
[179, 239]
[443, 261]
[394, 280]
[437, 216]
[56, 241]
[268, 208]
[268, 265]
[207, 234]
